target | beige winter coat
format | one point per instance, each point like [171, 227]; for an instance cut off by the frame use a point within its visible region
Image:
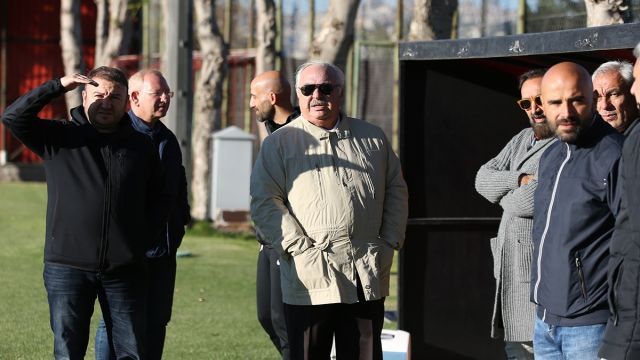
[334, 204]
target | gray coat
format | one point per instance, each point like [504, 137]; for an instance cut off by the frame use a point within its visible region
[497, 181]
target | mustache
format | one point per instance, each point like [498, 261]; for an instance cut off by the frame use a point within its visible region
[568, 121]
[319, 102]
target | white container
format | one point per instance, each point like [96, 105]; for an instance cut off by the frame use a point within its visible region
[232, 152]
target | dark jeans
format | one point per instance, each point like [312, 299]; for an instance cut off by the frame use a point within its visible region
[161, 279]
[72, 294]
[269, 299]
[357, 328]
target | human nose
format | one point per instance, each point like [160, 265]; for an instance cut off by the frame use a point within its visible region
[603, 102]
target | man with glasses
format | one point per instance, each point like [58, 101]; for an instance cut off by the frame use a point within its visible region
[614, 101]
[510, 180]
[150, 97]
[327, 192]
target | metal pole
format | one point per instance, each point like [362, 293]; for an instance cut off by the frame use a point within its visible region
[228, 13]
[178, 71]
[395, 121]
[312, 21]
[349, 78]
[522, 17]
[355, 84]
[279, 21]
[249, 68]
[3, 84]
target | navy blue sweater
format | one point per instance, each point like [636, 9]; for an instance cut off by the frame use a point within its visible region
[175, 187]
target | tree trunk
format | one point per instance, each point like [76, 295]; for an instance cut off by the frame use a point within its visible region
[266, 47]
[111, 30]
[607, 12]
[335, 37]
[432, 20]
[208, 101]
[71, 46]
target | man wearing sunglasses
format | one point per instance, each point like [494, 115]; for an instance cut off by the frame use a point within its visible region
[612, 89]
[327, 192]
[510, 179]
[575, 205]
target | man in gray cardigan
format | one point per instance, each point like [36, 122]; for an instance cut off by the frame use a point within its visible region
[509, 179]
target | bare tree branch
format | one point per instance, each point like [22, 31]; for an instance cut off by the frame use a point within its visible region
[71, 46]
[334, 39]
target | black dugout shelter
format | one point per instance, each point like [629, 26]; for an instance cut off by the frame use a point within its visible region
[457, 111]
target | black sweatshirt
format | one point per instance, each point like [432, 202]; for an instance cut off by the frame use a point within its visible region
[100, 187]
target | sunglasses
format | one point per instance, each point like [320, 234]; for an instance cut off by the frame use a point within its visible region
[525, 104]
[325, 89]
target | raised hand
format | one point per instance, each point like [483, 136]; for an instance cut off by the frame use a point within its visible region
[70, 82]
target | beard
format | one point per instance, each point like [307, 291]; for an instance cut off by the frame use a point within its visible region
[266, 116]
[541, 129]
[568, 136]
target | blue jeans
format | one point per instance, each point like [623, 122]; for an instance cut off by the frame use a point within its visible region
[161, 278]
[567, 342]
[72, 293]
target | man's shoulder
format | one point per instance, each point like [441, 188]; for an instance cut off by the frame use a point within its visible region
[362, 127]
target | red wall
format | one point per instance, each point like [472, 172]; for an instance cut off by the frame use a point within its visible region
[34, 56]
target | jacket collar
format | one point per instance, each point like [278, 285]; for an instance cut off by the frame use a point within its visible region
[343, 131]
[79, 118]
[598, 129]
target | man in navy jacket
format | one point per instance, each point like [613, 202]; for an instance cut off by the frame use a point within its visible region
[103, 178]
[150, 97]
[574, 212]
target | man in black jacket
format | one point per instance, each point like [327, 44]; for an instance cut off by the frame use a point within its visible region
[622, 336]
[103, 178]
[150, 98]
[271, 100]
[574, 208]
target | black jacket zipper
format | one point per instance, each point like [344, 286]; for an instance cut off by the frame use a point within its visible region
[104, 241]
[583, 286]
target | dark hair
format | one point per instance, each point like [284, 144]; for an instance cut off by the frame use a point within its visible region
[109, 73]
[531, 74]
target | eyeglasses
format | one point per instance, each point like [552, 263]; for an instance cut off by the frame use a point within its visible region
[158, 94]
[525, 104]
[325, 89]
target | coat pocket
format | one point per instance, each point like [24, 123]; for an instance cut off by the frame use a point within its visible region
[308, 271]
[523, 261]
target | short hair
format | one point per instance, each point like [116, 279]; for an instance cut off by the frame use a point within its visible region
[336, 70]
[636, 51]
[531, 74]
[136, 80]
[112, 74]
[623, 68]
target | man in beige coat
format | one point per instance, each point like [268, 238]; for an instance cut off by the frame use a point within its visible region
[327, 191]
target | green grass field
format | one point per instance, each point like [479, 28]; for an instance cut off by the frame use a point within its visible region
[214, 313]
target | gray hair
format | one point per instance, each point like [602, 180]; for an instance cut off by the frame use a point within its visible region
[636, 51]
[623, 68]
[336, 71]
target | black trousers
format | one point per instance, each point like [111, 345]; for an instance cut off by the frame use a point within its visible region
[269, 300]
[357, 328]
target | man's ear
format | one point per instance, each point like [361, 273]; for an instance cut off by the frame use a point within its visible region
[133, 98]
[273, 98]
